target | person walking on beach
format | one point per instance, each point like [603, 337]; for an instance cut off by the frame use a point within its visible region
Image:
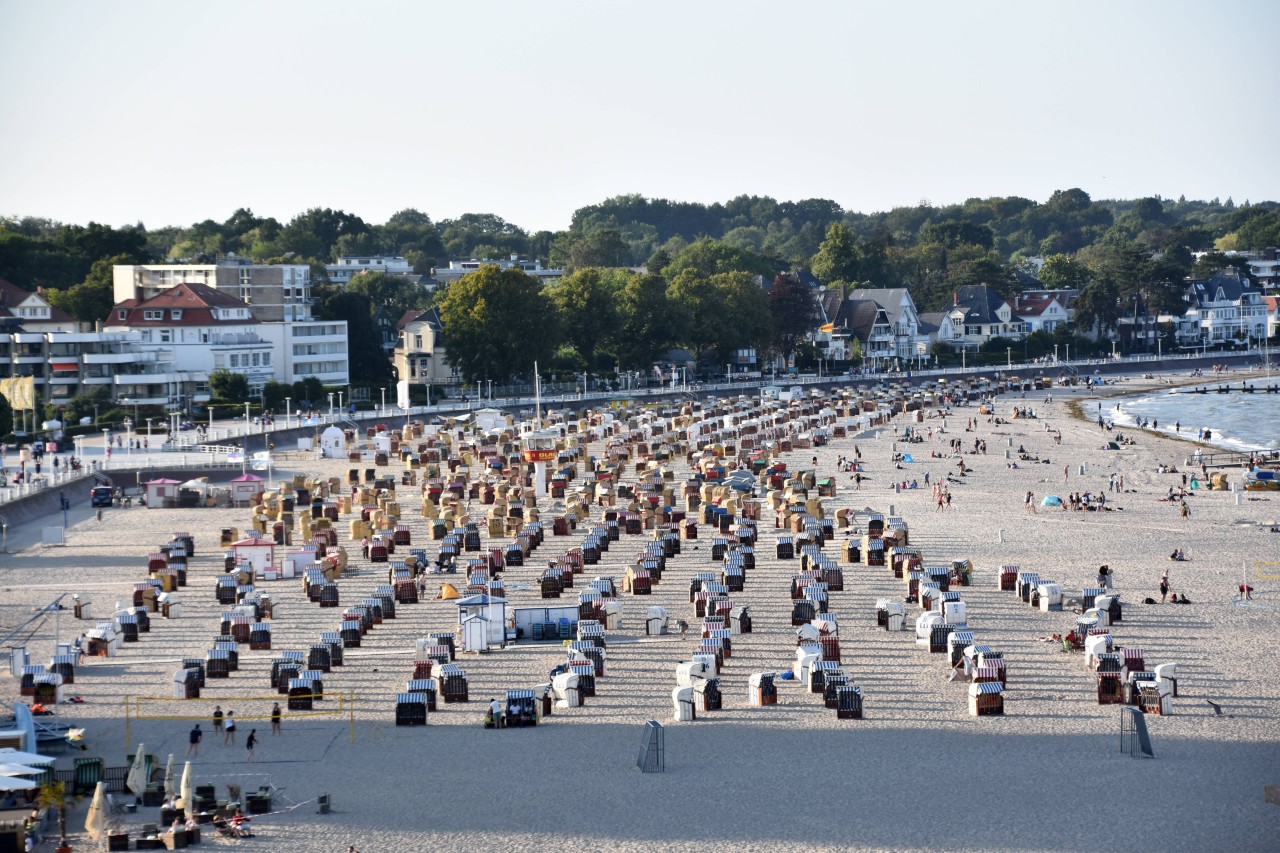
[275, 719]
[217, 718]
[250, 742]
[230, 728]
[193, 741]
[1066, 473]
[1031, 503]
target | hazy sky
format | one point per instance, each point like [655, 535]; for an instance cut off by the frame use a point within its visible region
[168, 113]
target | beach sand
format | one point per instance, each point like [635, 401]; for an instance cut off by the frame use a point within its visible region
[917, 773]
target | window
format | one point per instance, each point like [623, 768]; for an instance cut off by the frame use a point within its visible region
[166, 336]
[235, 360]
[122, 316]
[175, 314]
[152, 315]
[417, 341]
[256, 359]
[266, 359]
[246, 277]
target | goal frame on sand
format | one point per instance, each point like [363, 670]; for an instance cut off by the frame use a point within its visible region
[335, 704]
[1263, 571]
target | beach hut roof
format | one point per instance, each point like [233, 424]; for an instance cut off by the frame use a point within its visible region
[162, 481]
[247, 478]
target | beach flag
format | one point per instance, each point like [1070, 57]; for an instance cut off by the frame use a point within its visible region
[827, 328]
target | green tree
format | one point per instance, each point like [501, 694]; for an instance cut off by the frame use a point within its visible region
[309, 391]
[794, 313]
[1062, 272]
[367, 361]
[315, 233]
[497, 323]
[697, 299]
[709, 257]
[394, 292]
[650, 322]
[838, 258]
[600, 247]
[274, 394]
[228, 387]
[586, 305]
[1097, 305]
[90, 301]
[746, 318]
[6, 416]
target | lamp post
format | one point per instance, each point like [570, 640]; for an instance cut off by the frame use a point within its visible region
[1113, 346]
[1008, 358]
[383, 407]
[287, 402]
[128, 434]
[106, 447]
[1055, 353]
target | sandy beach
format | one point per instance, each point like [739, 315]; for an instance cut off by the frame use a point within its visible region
[917, 773]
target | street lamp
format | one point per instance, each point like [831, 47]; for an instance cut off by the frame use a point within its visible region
[330, 404]
[149, 420]
[1008, 358]
[287, 402]
[383, 407]
[128, 434]
[106, 446]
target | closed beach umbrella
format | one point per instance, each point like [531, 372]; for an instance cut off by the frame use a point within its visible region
[187, 790]
[137, 778]
[168, 777]
[96, 820]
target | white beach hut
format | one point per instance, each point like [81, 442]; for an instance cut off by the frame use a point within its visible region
[333, 443]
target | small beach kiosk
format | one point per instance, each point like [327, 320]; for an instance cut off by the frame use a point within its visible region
[245, 487]
[161, 490]
[256, 551]
[482, 622]
[333, 443]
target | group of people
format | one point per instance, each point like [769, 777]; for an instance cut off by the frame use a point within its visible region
[1165, 595]
[226, 725]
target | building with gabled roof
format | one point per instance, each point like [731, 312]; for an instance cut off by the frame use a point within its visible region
[419, 357]
[32, 311]
[1225, 309]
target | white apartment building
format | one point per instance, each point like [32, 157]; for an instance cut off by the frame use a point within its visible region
[352, 265]
[270, 304]
[457, 269]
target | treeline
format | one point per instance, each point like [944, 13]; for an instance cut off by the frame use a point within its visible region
[1123, 256]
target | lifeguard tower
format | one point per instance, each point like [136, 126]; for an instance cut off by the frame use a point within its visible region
[539, 448]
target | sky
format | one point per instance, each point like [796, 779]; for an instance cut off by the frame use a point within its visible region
[170, 113]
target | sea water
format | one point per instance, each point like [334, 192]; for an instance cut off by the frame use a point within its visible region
[1237, 420]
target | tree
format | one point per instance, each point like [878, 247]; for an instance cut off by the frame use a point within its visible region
[315, 233]
[709, 257]
[367, 361]
[1062, 272]
[746, 320]
[603, 247]
[394, 292]
[1097, 305]
[90, 301]
[586, 305]
[649, 321]
[497, 323]
[227, 386]
[274, 394]
[695, 297]
[837, 258]
[308, 392]
[6, 416]
[794, 313]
